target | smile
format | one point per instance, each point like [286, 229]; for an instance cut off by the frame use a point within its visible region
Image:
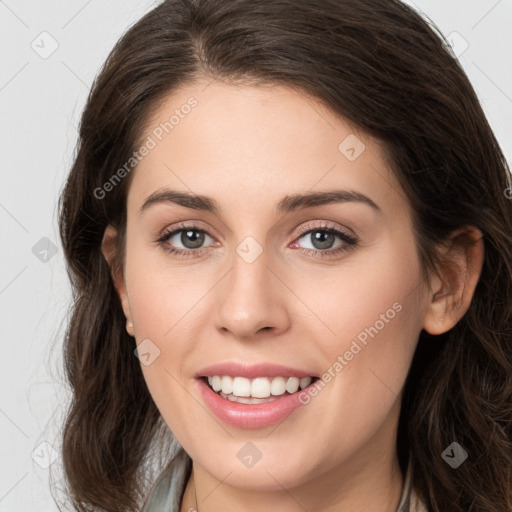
[249, 411]
[257, 390]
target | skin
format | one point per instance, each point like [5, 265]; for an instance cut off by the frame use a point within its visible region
[248, 147]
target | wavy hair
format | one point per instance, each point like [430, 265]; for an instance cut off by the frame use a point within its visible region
[384, 67]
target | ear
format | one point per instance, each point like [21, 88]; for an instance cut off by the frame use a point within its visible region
[109, 248]
[452, 290]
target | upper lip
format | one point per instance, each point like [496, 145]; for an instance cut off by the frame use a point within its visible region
[252, 371]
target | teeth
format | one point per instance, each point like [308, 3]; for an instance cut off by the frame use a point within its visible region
[227, 385]
[305, 382]
[241, 387]
[292, 384]
[216, 382]
[278, 386]
[260, 387]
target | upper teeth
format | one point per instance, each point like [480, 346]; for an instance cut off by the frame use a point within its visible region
[260, 387]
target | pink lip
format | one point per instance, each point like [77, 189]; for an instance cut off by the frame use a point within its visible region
[252, 371]
[249, 416]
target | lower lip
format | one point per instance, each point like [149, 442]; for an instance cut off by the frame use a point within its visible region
[249, 416]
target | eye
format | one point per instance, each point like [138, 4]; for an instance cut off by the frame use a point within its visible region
[323, 238]
[191, 237]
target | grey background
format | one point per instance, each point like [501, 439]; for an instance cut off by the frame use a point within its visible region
[41, 100]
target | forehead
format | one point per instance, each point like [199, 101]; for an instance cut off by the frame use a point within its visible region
[246, 145]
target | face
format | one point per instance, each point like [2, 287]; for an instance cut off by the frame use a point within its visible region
[327, 287]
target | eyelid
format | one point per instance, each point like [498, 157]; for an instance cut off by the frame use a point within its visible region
[189, 224]
[327, 224]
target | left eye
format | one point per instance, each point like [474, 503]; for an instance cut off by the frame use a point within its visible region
[323, 239]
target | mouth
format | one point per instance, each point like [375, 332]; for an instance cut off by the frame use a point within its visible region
[257, 390]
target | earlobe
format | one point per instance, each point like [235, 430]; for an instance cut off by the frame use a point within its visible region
[129, 328]
[109, 248]
[454, 286]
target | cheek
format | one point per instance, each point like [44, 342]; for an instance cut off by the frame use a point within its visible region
[373, 294]
[161, 293]
[370, 318]
[373, 328]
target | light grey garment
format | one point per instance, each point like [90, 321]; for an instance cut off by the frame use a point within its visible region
[168, 490]
[410, 501]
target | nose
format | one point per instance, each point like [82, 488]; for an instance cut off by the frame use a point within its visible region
[251, 300]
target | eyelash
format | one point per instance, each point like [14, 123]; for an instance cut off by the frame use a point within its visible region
[350, 241]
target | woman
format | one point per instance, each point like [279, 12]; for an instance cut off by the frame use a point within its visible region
[289, 238]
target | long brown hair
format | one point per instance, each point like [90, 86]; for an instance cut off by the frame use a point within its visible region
[379, 64]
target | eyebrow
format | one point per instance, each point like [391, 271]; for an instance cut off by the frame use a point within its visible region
[286, 205]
